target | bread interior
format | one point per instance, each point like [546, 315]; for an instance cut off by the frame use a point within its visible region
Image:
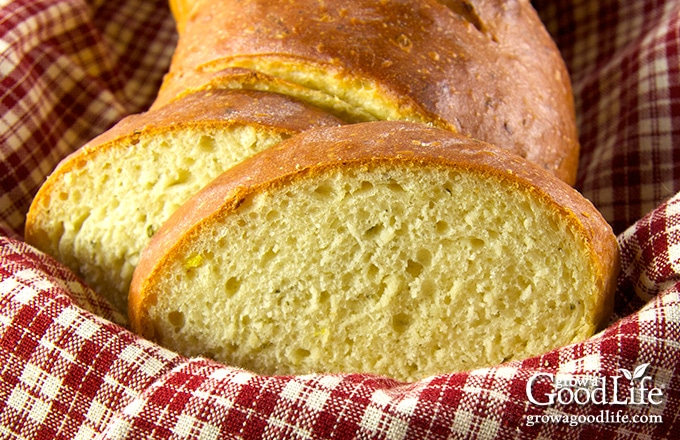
[406, 271]
[105, 210]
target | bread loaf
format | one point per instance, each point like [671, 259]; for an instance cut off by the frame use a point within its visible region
[484, 68]
[384, 247]
[487, 69]
[102, 204]
[393, 194]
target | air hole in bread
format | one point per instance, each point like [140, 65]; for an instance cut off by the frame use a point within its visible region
[232, 286]
[179, 177]
[374, 231]
[299, 354]
[394, 186]
[206, 144]
[324, 297]
[176, 319]
[424, 256]
[268, 256]
[324, 190]
[414, 268]
[364, 187]
[79, 220]
[273, 215]
[401, 322]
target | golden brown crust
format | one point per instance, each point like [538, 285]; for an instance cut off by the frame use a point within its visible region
[182, 10]
[486, 68]
[363, 145]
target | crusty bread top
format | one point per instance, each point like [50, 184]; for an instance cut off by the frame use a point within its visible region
[365, 145]
[485, 68]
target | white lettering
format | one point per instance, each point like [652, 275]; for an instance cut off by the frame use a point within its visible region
[615, 394]
[602, 393]
[584, 390]
[530, 385]
[655, 392]
[586, 396]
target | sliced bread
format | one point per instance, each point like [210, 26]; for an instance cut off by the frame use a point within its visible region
[103, 203]
[384, 247]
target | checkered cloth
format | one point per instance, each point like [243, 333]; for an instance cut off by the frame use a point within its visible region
[69, 368]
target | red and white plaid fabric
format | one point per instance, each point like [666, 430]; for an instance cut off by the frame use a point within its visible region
[70, 369]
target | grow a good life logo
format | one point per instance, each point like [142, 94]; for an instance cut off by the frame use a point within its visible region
[629, 388]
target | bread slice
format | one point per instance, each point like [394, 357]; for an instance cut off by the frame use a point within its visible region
[384, 247]
[103, 203]
[484, 68]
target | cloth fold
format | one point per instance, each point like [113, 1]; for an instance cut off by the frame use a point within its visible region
[70, 368]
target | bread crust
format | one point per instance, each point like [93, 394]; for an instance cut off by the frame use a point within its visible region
[485, 68]
[317, 151]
